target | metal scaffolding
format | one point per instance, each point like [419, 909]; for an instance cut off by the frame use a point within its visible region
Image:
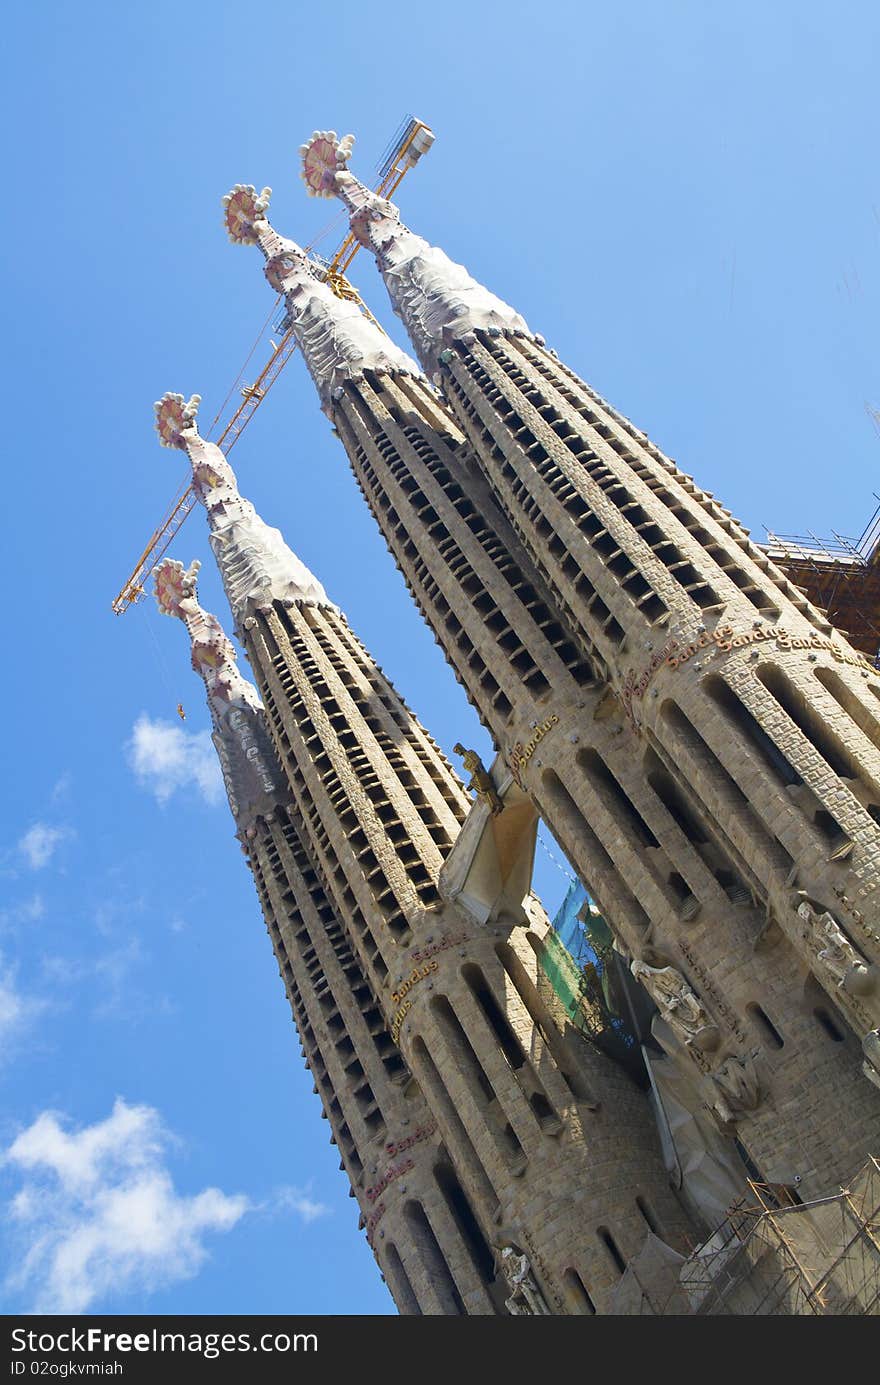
[772, 1256]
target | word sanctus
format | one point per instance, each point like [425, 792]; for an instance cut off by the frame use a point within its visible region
[422, 1132]
[448, 940]
[395, 1171]
[723, 641]
[523, 753]
[397, 996]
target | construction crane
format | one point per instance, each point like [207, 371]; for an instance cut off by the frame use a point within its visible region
[412, 140]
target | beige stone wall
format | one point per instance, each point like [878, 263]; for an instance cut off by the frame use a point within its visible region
[677, 881]
[551, 1148]
[644, 564]
[388, 1141]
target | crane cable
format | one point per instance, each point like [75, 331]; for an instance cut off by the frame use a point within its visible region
[566, 870]
[163, 667]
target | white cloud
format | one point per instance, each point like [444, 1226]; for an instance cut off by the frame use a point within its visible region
[98, 1213]
[39, 843]
[61, 788]
[165, 758]
[298, 1200]
[16, 1008]
[32, 909]
[27, 911]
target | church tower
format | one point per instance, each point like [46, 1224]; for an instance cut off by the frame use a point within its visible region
[733, 1013]
[378, 1120]
[549, 1167]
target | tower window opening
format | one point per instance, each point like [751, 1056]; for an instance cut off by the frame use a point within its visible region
[817, 731]
[429, 1079]
[747, 724]
[831, 1028]
[697, 760]
[647, 1215]
[577, 1293]
[544, 1113]
[611, 1246]
[764, 1025]
[492, 1012]
[463, 1216]
[399, 1283]
[434, 1260]
[615, 797]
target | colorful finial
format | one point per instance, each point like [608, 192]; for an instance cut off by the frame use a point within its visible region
[174, 417]
[323, 156]
[174, 585]
[242, 208]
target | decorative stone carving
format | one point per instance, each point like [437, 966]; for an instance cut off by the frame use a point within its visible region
[250, 769]
[437, 300]
[255, 563]
[736, 1087]
[481, 780]
[337, 340]
[525, 1296]
[834, 952]
[678, 1005]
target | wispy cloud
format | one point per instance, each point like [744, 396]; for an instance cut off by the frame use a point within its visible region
[166, 758]
[26, 911]
[97, 1212]
[17, 1009]
[300, 1201]
[40, 842]
[61, 788]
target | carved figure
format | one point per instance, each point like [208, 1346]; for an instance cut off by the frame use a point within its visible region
[525, 1296]
[737, 1087]
[677, 1004]
[833, 949]
[481, 780]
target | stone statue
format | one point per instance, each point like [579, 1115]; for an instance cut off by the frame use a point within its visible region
[525, 1296]
[834, 951]
[737, 1087]
[678, 1005]
[481, 780]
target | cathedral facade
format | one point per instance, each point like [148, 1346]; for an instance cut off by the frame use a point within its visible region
[694, 732]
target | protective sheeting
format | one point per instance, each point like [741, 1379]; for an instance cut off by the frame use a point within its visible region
[567, 922]
[255, 563]
[771, 1256]
[704, 1163]
[650, 1284]
[436, 299]
[337, 340]
[253, 778]
[797, 1260]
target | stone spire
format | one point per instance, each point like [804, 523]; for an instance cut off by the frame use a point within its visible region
[247, 757]
[255, 563]
[338, 342]
[436, 299]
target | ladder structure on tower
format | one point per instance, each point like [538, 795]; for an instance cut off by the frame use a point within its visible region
[413, 139]
[840, 575]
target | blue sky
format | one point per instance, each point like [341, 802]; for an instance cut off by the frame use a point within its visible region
[682, 197]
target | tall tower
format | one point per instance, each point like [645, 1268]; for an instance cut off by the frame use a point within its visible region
[678, 898]
[552, 1155]
[378, 1119]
